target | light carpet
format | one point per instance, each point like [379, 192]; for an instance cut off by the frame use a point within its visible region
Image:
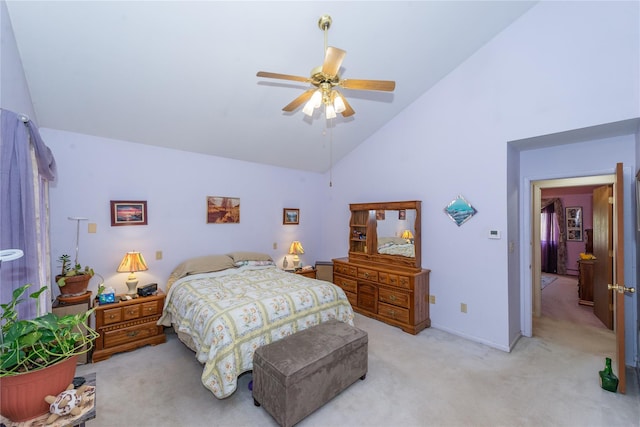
[433, 378]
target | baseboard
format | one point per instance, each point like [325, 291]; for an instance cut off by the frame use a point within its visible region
[491, 344]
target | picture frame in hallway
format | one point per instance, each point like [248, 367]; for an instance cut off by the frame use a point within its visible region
[573, 223]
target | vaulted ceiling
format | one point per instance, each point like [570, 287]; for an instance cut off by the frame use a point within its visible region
[182, 74]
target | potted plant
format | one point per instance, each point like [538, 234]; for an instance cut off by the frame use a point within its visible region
[38, 356]
[73, 278]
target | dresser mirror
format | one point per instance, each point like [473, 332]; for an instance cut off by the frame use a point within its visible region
[386, 232]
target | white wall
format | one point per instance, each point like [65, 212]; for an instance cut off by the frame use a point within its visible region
[14, 93]
[563, 65]
[92, 171]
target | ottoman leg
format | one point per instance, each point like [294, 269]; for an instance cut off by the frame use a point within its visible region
[363, 377]
[256, 403]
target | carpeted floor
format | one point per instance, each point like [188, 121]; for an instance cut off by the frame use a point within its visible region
[433, 378]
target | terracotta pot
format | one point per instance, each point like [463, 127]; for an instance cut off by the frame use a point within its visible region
[74, 285]
[22, 396]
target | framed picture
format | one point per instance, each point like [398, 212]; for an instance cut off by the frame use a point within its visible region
[290, 216]
[573, 222]
[223, 210]
[460, 211]
[380, 214]
[127, 212]
[402, 214]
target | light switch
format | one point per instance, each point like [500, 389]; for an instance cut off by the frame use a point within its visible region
[158, 254]
[92, 227]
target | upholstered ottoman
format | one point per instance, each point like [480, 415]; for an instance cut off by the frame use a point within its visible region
[295, 376]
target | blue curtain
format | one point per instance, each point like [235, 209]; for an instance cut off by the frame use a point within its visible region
[26, 166]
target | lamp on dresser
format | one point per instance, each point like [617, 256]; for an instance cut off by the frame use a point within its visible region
[132, 262]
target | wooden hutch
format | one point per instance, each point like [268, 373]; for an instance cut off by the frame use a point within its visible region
[383, 275]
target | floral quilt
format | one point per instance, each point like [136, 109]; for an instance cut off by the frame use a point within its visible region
[229, 314]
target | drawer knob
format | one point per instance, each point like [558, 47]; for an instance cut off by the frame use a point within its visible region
[112, 316]
[392, 297]
[150, 309]
[133, 333]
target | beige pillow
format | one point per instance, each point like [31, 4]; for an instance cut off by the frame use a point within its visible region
[249, 256]
[203, 264]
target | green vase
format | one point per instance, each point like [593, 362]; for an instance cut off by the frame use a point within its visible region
[608, 380]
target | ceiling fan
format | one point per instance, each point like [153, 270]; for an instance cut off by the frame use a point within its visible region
[325, 80]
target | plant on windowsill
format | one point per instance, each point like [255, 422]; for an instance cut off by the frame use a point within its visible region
[47, 346]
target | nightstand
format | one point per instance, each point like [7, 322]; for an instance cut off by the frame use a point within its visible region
[127, 325]
[307, 273]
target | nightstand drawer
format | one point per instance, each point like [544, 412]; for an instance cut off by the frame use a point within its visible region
[131, 312]
[389, 296]
[149, 308]
[130, 334]
[112, 315]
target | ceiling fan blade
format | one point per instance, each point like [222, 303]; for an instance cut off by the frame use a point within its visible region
[348, 111]
[332, 61]
[299, 100]
[282, 76]
[382, 85]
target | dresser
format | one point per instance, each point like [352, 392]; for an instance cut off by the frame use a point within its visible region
[585, 281]
[127, 325]
[396, 297]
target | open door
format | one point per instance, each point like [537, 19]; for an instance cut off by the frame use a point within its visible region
[618, 287]
[603, 251]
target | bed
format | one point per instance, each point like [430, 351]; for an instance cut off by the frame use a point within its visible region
[396, 246]
[223, 307]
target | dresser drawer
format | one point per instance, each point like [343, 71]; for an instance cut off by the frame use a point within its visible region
[112, 315]
[393, 312]
[394, 297]
[353, 298]
[130, 334]
[345, 269]
[404, 282]
[348, 285]
[365, 273]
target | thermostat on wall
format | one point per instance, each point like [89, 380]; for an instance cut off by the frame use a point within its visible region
[494, 234]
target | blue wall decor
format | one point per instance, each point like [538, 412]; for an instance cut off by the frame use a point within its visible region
[459, 210]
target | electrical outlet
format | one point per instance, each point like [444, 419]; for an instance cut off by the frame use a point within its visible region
[463, 307]
[432, 299]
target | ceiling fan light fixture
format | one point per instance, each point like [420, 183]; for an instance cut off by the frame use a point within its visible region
[329, 111]
[338, 104]
[314, 102]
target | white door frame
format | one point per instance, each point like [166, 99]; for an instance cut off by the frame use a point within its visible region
[531, 233]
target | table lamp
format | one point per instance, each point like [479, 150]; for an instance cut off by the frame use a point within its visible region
[295, 249]
[132, 262]
[407, 234]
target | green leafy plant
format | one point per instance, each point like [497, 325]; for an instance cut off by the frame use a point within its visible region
[29, 345]
[71, 270]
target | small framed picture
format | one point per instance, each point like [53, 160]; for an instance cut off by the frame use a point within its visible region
[402, 214]
[573, 221]
[290, 216]
[380, 215]
[126, 212]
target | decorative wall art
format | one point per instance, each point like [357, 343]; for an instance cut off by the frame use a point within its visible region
[125, 212]
[460, 211]
[402, 214]
[223, 210]
[380, 215]
[290, 216]
[573, 218]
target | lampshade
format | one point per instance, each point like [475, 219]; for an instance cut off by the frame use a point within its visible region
[332, 100]
[132, 261]
[406, 234]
